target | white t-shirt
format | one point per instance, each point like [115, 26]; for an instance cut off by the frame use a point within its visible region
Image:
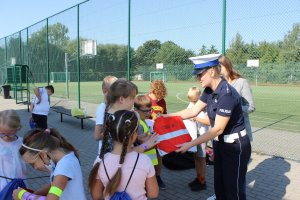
[203, 114]
[44, 106]
[11, 163]
[100, 112]
[136, 187]
[69, 166]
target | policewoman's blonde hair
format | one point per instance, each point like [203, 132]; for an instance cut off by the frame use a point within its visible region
[193, 94]
[10, 120]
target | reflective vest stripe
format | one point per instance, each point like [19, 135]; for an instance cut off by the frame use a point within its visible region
[151, 153]
[173, 134]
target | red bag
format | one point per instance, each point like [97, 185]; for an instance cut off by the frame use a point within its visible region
[172, 132]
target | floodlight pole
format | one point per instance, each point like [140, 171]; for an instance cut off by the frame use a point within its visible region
[224, 27]
[128, 55]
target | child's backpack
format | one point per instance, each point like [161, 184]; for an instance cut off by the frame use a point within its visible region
[7, 191]
[122, 195]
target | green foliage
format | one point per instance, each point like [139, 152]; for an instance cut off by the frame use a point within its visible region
[145, 54]
[171, 53]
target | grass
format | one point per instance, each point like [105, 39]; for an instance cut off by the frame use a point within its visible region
[277, 107]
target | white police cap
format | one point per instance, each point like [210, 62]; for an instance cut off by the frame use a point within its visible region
[201, 63]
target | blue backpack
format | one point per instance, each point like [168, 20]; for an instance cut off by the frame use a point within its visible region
[122, 195]
[6, 193]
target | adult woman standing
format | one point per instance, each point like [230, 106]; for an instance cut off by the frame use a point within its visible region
[232, 147]
[242, 87]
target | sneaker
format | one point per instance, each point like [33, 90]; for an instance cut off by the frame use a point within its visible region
[194, 182]
[161, 184]
[198, 187]
[213, 197]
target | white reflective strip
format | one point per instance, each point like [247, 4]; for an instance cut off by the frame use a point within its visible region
[238, 172]
[161, 152]
[172, 135]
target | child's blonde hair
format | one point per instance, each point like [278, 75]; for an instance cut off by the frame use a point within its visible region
[142, 100]
[108, 81]
[193, 94]
[9, 119]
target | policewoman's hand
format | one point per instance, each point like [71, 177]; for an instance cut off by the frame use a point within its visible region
[183, 147]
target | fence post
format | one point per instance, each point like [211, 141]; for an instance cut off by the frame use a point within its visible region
[129, 53]
[78, 56]
[224, 27]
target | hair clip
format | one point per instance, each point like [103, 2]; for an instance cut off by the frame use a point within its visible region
[128, 121]
[47, 130]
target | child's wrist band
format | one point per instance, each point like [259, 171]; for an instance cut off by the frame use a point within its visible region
[20, 194]
[25, 195]
[31, 197]
[144, 146]
[55, 190]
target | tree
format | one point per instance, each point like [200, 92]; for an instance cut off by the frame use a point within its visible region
[290, 47]
[171, 53]
[212, 49]
[145, 54]
[268, 52]
[203, 50]
[236, 51]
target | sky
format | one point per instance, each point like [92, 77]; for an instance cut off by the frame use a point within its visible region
[189, 23]
[16, 15]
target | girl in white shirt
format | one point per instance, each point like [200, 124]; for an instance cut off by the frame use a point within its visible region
[48, 151]
[11, 164]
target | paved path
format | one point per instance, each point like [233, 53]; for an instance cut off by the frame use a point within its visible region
[268, 177]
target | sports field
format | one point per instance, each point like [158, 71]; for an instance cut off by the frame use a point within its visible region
[277, 107]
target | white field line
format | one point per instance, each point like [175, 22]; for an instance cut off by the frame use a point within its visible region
[177, 97]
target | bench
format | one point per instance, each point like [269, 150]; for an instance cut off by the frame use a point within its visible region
[64, 111]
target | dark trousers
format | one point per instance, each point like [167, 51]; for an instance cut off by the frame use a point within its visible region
[40, 120]
[230, 168]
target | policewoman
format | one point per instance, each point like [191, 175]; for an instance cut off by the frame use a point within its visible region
[232, 147]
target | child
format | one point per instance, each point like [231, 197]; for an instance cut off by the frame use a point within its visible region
[41, 105]
[142, 105]
[203, 123]
[116, 167]
[48, 151]
[157, 94]
[121, 97]
[107, 81]
[12, 166]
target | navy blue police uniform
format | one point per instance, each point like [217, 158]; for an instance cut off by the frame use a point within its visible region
[232, 149]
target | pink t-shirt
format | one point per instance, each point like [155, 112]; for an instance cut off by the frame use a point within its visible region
[136, 187]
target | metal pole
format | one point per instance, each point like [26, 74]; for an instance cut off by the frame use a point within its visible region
[224, 27]
[129, 53]
[78, 56]
[67, 75]
[6, 63]
[20, 46]
[47, 52]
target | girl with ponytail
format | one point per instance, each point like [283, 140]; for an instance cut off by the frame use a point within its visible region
[123, 169]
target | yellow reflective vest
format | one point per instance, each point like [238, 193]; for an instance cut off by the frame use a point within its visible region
[152, 152]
